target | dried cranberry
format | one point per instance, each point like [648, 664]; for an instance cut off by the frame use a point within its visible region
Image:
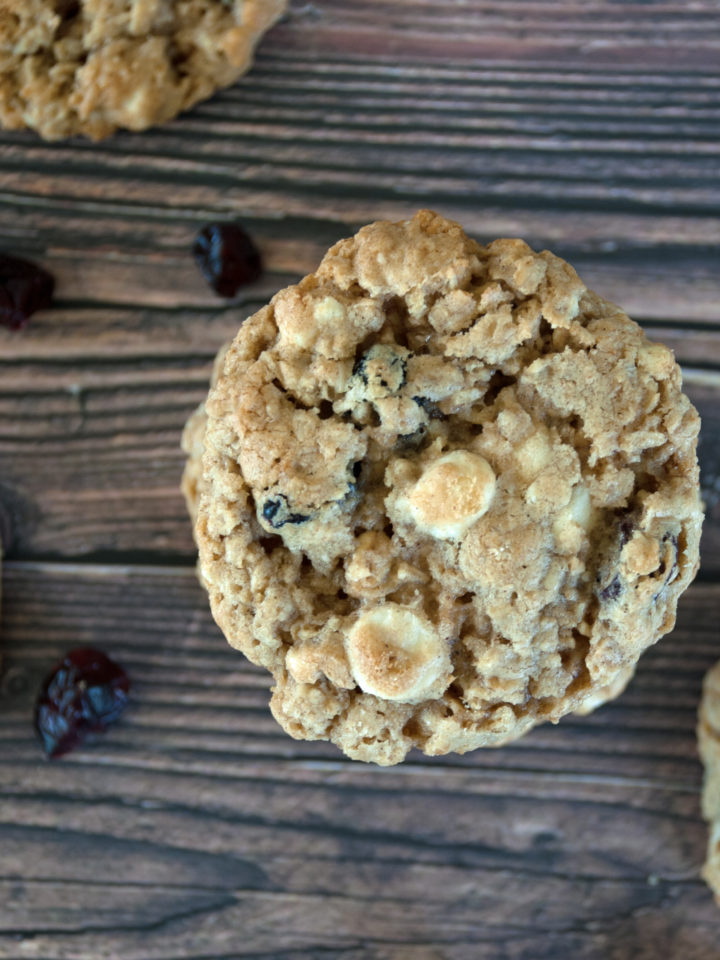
[277, 512]
[24, 288]
[430, 407]
[627, 527]
[612, 591]
[85, 693]
[227, 257]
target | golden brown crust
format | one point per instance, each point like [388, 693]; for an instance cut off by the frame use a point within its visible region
[709, 745]
[566, 516]
[92, 66]
[192, 443]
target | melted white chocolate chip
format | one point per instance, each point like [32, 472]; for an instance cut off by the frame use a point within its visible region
[395, 654]
[453, 492]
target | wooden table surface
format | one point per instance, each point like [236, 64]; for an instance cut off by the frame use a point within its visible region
[196, 829]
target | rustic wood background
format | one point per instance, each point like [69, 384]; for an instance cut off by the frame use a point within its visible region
[196, 829]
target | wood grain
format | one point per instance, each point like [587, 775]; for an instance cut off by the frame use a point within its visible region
[616, 170]
[671, 35]
[103, 396]
[197, 818]
[196, 829]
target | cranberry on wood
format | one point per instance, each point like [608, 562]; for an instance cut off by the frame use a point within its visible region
[227, 257]
[85, 693]
[24, 288]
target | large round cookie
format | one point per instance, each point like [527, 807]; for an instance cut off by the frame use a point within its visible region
[446, 493]
[91, 66]
[709, 744]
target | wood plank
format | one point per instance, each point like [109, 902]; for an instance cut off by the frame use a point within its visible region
[196, 818]
[102, 384]
[526, 31]
[151, 266]
[152, 616]
[615, 168]
[379, 925]
[102, 396]
[618, 170]
[570, 157]
[196, 829]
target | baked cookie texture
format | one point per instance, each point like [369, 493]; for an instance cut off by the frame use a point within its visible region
[192, 443]
[444, 492]
[709, 744]
[90, 66]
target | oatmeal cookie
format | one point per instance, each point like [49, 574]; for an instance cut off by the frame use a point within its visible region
[91, 66]
[447, 493]
[709, 744]
[192, 443]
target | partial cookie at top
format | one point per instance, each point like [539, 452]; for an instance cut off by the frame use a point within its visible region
[446, 493]
[709, 745]
[91, 66]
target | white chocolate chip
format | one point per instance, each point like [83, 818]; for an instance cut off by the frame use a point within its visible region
[301, 668]
[328, 310]
[581, 508]
[574, 521]
[395, 654]
[453, 492]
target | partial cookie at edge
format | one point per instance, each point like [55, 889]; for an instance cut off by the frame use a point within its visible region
[107, 64]
[709, 746]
